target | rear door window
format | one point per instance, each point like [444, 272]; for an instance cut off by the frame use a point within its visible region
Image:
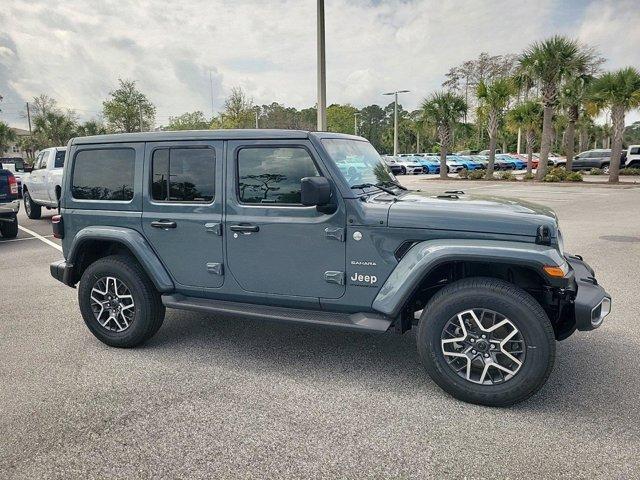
[104, 174]
[183, 174]
[59, 162]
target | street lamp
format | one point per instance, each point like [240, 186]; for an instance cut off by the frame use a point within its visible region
[322, 72]
[355, 122]
[257, 111]
[395, 118]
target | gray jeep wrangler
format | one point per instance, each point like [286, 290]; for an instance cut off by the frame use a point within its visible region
[313, 228]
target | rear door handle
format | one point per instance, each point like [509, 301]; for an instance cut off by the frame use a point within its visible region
[244, 228]
[164, 224]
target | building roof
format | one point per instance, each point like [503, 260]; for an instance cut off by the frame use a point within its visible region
[226, 134]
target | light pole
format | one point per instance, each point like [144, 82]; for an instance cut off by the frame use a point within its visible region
[395, 118]
[355, 122]
[322, 72]
[257, 110]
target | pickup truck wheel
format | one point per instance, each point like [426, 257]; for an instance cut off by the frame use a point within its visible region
[9, 229]
[486, 341]
[119, 303]
[605, 169]
[34, 211]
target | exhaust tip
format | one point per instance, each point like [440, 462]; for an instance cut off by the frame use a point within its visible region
[600, 311]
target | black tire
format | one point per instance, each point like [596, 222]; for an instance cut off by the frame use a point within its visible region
[32, 209]
[149, 310]
[605, 168]
[403, 171]
[9, 229]
[512, 302]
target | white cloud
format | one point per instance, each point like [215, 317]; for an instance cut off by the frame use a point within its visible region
[75, 50]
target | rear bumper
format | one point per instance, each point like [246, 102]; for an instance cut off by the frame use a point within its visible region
[62, 271]
[592, 303]
[9, 208]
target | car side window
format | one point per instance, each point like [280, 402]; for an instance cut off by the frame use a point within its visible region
[104, 174]
[271, 175]
[37, 165]
[183, 174]
[59, 161]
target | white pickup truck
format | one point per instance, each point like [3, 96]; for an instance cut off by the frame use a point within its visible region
[632, 159]
[42, 187]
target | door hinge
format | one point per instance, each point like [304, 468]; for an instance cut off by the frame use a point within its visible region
[215, 228]
[336, 233]
[215, 268]
[334, 277]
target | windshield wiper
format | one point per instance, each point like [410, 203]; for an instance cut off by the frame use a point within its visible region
[395, 184]
[380, 185]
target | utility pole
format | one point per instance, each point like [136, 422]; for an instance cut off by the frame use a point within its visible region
[418, 141]
[322, 72]
[355, 122]
[395, 118]
[257, 110]
[29, 118]
[519, 139]
[211, 88]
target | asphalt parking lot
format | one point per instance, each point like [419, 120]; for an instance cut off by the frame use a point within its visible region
[226, 397]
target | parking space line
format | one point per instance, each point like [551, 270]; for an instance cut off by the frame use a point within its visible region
[22, 239]
[41, 238]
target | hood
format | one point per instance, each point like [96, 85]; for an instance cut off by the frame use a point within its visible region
[471, 213]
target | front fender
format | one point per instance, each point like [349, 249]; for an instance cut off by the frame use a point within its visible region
[423, 257]
[131, 239]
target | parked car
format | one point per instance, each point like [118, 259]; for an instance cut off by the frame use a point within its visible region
[498, 164]
[632, 159]
[518, 164]
[9, 204]
[454, 166]
[466, 162]
[17, 169]
[431, 164]
[393, 165]
[555, 160]
[409, 166]
[266, 225]
[472, 161]
[525, 159]
[486, 152]
[598, 158]
[42, 187]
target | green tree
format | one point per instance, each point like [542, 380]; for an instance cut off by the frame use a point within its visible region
[494, 98]
[619, 92]
[238, 111]
[54, 128]
[550, 62]
[574, 93]
[189, 121]
[90, 127]
[443, 110]
[128, 109]
[7, 137]
[527, 117]
[340, 118]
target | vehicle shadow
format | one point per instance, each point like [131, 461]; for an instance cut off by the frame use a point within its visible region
[587, 377]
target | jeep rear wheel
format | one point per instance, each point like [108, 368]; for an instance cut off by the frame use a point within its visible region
[119, 303]
[34, 211]
[486, 341]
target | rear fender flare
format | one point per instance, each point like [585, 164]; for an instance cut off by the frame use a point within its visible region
[423, 257]
[135, 242]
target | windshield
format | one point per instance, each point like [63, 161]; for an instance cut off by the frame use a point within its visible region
[358, 161]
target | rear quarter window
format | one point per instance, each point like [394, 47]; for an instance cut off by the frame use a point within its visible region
[104, 174]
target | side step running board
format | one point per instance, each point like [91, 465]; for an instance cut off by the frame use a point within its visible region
[358, 321]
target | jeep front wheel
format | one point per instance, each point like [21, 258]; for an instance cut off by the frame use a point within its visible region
[119, 303]
[486, 341]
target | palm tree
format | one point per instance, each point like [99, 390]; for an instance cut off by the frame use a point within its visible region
[528, 117]
[573, 96]
[443, 110]
[494, 98]
[7, 136]
[550, 62]
[618, 91]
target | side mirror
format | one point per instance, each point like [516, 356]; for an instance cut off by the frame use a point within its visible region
[315, 191]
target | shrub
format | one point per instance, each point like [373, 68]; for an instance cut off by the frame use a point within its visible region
[551, 178]
[464, 173]
[574, 177]
[559, 172]
[508, 176]
[596, 171]
[529, 176]
[630, 171]
[476, 175]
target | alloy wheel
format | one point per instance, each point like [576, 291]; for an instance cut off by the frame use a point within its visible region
[483, 346]
[112, 304]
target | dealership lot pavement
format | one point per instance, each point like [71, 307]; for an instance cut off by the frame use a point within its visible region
[212, 397]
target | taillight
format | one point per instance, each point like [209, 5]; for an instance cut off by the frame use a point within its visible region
[58, 226]
[13, 185]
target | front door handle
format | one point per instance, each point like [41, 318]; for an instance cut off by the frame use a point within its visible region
[244, 228]
[164, 224]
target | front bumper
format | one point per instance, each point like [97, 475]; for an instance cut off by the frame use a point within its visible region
[591, 303]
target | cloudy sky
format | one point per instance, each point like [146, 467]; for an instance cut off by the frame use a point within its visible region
[177, 50]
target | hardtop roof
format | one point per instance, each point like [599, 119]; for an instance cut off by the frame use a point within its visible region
[226, 134]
